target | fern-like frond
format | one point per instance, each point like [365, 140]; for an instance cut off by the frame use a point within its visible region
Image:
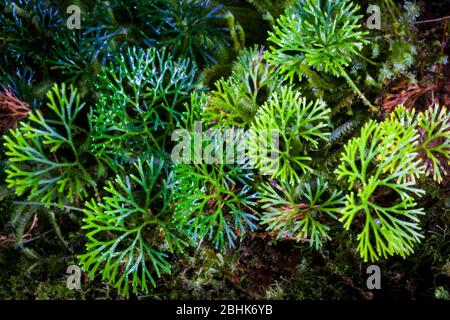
[320, 35]
[140, 102]
[301, 212]
[380, 167]
[215, 200]
[287, 127]
[130, 233]
[236, 100]
[44, 154]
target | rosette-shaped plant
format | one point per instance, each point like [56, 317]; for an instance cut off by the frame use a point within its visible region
[190, 28]
[434, 149]
[236, 100]
[129, 233]
[47, 160]
[213, 194]
[29, 31]
[380, 167]
[140, 97]
[284, 131]
[318, 35]
[300, 212]
[434, 143]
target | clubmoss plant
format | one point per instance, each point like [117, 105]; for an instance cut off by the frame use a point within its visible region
[215, 201]
[297, 124]
[47, 160]
[318, 35]
[140, 101]
[129, 233]
[380, 167]
[300, 212]
[434, 142]
[236, 100]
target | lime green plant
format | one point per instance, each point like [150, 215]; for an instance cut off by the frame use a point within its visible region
[47, 161]
[381, 167]
[236, 100]
[287, 127]
[318, 35]
[434, 142]
[129, 233]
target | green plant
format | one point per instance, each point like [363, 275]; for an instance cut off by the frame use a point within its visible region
[400, 59]
[434, 142]
[297, 124]
[140, 100]
[236, 100]
[434, 148]
[130, 232]
[400, 46]
[28, 31]
[193, 111]
[19, 83]
[199, 30]
[441, 293]
[270, 9]
[301, 212]
[47, 160]
[380, 167]
[92, 184]
[215, 200]
[193, 29]
[322, 35]
[73, 59]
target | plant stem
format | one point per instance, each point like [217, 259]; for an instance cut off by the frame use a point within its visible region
[30, 203]
[366, 59]
[433, 20]
[55, 225]
[357, 91]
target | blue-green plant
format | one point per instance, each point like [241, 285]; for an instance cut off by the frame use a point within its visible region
[198, 30]
[140, 101]
[29, 31]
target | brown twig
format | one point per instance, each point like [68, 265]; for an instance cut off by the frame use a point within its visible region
[432, 20]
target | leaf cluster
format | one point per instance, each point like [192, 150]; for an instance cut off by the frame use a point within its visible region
[140, 100]
[46, 159]
[303, 212]
[129, 232]
[380, 167]
[287, 127]
[215, 201]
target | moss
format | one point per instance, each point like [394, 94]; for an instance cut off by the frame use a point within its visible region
[37, 244]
